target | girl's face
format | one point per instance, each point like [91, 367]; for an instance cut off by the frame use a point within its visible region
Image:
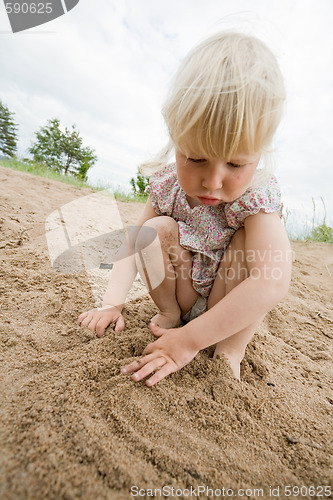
[215, 181]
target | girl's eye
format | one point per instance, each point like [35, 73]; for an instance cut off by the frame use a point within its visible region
[234, 165]
[195, 160]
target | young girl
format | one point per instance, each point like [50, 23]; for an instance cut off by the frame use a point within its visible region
[221, 260]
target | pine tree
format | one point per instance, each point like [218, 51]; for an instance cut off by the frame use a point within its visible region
[8, 135]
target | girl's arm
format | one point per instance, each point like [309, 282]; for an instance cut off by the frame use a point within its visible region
[268, 256]
[121, 278]
[124, 268]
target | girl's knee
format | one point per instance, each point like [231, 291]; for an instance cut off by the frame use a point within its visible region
[165, 227]
[156, 230]
[162, 223]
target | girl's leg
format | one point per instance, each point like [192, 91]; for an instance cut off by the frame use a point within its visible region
[232, 271]
[165, 268]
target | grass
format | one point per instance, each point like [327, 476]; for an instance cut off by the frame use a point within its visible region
[319, 231]
[130, 197]
[42, 171]
[322, 233]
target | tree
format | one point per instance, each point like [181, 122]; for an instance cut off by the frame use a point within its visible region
[62, 151]
[140, 184]
[8, 136]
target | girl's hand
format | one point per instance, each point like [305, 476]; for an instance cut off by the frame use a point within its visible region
[171, 352]
[98, 319]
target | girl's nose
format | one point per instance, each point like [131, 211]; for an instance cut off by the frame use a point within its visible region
[213, 180]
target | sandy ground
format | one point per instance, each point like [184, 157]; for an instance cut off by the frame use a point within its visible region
[73, 428]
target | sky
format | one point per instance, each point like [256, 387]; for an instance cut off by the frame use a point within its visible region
[105, 66]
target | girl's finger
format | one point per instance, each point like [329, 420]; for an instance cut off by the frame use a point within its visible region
[160, 375]
[120, 325]
[100, 327]
[148, 350]
[151, 348]
[148, 368]
[137, 364]
[92, 324]
[85, 321]
[81, 317]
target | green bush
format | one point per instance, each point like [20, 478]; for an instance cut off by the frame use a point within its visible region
[322, 233]
[140, 184]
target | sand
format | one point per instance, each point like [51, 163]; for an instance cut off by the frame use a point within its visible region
[73, 427]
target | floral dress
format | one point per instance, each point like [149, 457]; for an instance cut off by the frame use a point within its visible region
[207, 230]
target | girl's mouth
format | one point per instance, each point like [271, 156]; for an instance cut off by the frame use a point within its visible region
[208, 201]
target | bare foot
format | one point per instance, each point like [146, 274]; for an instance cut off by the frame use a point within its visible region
[233, 360]
[166, 320]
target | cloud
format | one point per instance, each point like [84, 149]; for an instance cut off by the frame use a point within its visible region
[106, 67]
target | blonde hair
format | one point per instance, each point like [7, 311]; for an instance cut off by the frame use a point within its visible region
[226, 97]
